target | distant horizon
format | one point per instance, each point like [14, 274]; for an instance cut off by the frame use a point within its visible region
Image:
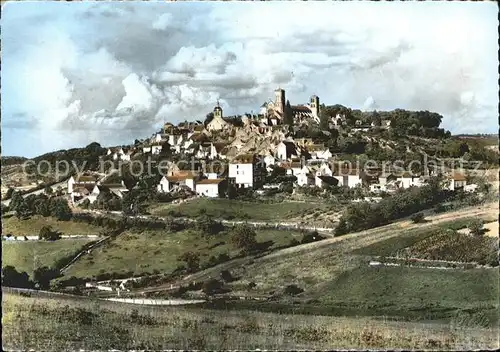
[130, 66]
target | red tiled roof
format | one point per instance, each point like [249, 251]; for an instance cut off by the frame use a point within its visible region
[457, 176]
[244, 159]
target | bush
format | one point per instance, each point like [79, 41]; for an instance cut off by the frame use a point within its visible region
[293, 290]
[243, 237]
[476, 227]
[417, 218]
[191, 259]
[46, 233]
[311, 237]
[226, 276]
[212, 286]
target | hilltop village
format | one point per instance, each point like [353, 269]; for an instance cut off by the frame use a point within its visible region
[243, 151]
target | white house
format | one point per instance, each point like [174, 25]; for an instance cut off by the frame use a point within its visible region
[246, 172]
[349, 177]
[269, 161]
[456, 181]
[407, 180]
[118, 190]
[181, 178]
[286, 150]
[305, 179]
[211, 187]
[156, 148]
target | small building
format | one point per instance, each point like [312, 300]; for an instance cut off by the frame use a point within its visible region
[457, 181]
[286, 150]
[180, 178]
[246, 171]
[212, 187]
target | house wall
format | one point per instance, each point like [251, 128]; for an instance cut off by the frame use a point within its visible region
[208, 190]
[163, 186]
[243, 174]
[191, 184]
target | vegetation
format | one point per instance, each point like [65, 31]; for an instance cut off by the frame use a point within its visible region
[67, 324]
[405, 202]
[417, 218]
[48, 234]
[143, 251]
[238, 210]
[476, 227]
[454, 246]
[29, 255]
[16, 227]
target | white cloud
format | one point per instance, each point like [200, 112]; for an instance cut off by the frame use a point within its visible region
[100, 68]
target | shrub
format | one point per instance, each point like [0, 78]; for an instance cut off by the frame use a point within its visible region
[417, 218]
[191, 259]
[292, 290]
[212, 286]
[243, 237]
[311, 237]
[476, 227]
[226, 276]
[46, 233]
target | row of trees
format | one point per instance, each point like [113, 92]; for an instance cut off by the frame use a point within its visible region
[42, 277]
[404, 202]
[40, 204]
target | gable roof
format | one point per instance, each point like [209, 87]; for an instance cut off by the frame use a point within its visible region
[210, 181]
[457, 176]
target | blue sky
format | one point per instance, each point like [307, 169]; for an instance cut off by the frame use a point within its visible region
[74, 73]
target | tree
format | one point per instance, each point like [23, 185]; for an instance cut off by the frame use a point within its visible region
[208, 118]
[341, 228]
[22, 210]
[212, 286]
[243, 237]
[61, 210]
[417, 218]
[191, 259]
[9, 193]
[12, 278]
[48, 190]
[48, 234]
[207, 226]
[226, 276]
[324, 120]
[16, 200]
[476, 227]
[43, 275]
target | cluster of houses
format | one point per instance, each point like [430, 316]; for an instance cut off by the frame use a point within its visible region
[250, 147]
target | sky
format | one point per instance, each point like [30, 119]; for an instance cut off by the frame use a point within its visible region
[78, 72]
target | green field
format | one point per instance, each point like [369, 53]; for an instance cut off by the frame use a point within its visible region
[147, 251]
[32, 226]
[239, 210]
[67, 324]
[26, 255]
[426, 293]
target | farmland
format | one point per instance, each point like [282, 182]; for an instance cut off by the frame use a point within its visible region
[454, 246]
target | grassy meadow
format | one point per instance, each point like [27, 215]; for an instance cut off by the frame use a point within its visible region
[32, 226]
[63, 324]
[27, 255]
[149, 251]
[239, 210]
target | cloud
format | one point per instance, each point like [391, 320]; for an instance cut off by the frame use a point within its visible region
[113, 73]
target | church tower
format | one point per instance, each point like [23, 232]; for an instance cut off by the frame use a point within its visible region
[314, 105]
[218, 110]
[279, 101]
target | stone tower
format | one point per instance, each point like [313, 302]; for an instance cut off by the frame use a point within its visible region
[279, 101]
[217, 110]
[314, 105]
